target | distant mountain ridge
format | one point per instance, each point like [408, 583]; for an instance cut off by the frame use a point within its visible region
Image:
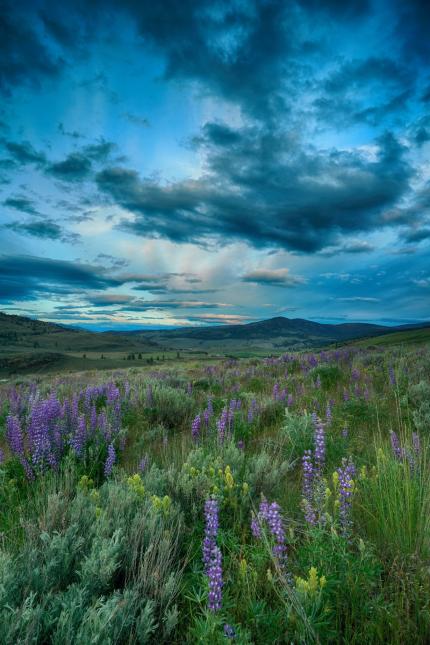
[280, 326]
[20, 333]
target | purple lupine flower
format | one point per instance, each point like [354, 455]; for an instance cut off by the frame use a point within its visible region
[355, 374]
[240, 444]
[110, 460]
[345, 432]
[222, 424]
[328, 413]
[189, 389]
[93, 420]
[290, 400]
[14, 435]
[270, 513]
[395, 445]
[345, 394]
[392, 376]
[319, 439]
[346, 473]
[211, 530]
[1, 456]
[317, 383]
[275, 392]
[308, 475]
[38, 436]
[215, 581]
[255, 527]
[112, 393]
[195, 427]
[274, 521]
[212, 558]
[229, 631]
[308, 485]
[79, 437]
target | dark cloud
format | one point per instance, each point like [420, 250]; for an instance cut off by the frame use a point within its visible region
[108, 299]
[99, 151]
[43, 229]
[21, 204]
[74, 168]
[112, 261]
[74, 134]
[25, 56]
[78, 165]
[264, 191]
[370, 90]
[24, 153]
[273, 278]
[354, 247]
[144, 305]
[413, 28]
[29, 277]
[417, 235]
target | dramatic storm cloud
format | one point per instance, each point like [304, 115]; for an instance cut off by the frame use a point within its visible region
[249, 157]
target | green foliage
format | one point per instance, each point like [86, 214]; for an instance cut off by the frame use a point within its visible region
[103, 569]
[395, 505]
[419, 396]
[84, 560]
[171, 408]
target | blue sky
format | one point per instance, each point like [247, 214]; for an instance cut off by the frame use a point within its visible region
[207, 162]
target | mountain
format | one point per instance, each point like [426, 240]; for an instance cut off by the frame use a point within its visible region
[266, 335]
[273, 327]
[35, 345]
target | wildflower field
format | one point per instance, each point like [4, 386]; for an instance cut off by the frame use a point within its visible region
[278, 500]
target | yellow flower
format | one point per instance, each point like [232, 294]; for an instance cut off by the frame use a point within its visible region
[135, 483]
[245, 488]
[166, 502]
[313, 580]
[312, 585]
[85, 483]
[229, 481]
[243, 568]
[335, 478]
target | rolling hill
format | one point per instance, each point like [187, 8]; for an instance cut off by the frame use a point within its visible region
[35, 345]
[266, 335]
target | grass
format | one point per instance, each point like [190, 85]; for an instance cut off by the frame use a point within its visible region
[88, 555]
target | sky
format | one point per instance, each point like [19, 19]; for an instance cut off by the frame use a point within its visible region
[200, 162]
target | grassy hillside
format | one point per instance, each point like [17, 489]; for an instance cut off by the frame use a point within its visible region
[203, 502]
[405, 337]
[28, 345]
